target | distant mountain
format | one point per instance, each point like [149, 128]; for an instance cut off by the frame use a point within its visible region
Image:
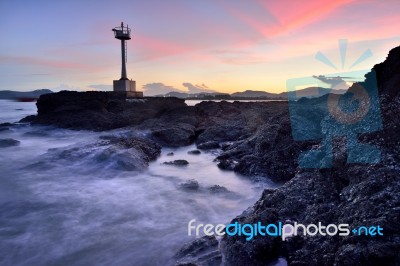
[191, 95]
[312, 92]
[177, 94]
[7, 94]
[252, 94]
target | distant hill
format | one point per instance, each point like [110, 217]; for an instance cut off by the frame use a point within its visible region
[312, 92]
[7, 94]
[252, 94]
[177, 94]
[191, 95]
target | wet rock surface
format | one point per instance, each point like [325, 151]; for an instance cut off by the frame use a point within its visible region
[201, 252]
[173, 128]
[209, 145]
[194, 152]
[190, 185]
[218, 189]
[177, 162]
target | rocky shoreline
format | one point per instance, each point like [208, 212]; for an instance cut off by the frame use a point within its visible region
[256, 140]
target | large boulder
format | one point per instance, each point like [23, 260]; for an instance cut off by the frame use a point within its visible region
[99, 110]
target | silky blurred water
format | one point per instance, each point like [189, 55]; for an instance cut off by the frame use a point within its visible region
[60, 205]
[12, 111]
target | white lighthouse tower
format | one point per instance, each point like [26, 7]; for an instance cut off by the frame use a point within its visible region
[124, 85]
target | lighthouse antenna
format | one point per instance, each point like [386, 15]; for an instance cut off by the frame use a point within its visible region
[126, 52]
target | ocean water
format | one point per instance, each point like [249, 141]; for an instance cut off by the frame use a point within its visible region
[61, 205]
[12, 111]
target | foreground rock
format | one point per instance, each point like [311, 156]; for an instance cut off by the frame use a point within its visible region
[202, 251]
[173, 128]
[209, 145]
[352, 196]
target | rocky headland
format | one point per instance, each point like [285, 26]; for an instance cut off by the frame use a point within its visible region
[255, 139]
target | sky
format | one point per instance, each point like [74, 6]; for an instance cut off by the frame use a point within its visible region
[189, 45]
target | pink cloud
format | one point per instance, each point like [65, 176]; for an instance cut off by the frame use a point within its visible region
[150, 47]
[295, 14]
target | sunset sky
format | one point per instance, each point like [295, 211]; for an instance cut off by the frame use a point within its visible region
[188, 45]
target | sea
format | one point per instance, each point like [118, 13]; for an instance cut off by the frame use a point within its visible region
[59, 205]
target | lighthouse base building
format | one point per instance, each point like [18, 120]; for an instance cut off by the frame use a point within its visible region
[128, 87]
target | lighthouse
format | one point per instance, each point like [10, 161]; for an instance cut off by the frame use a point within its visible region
[124, 85]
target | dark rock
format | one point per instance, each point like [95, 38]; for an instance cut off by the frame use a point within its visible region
[324, 196]
[177, 162]
[174, 128]
[4, 143]
[170, 154]
[201, 252]
[209, 145]
[194, 152]
[189, 185]
[218, 189]
[128, 161]
[5, 126]
[270, 151]
[28, 119]
[149, 150]
[225, 132]
[99, 110]
[227, 164]
[174, 136]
